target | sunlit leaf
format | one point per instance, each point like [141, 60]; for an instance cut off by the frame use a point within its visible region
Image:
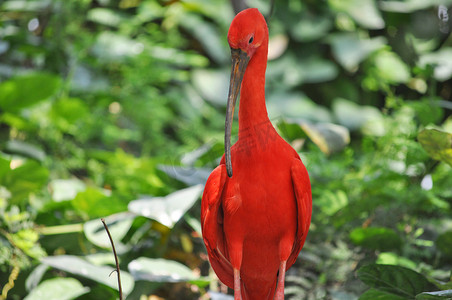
[58, 289]
[376, 238]
[105, 16]
[437, 143]
[212, 85]
[441, 62]
[395, 280]
[187, 175]
[391, 68]
[355, 117]
[67, 111]
[207, 35]
[167, 210]
[364, 12]
[444, 295]
[390, 258]
[65, 189]
[161, 270]
[81, 267]
[328, 137]
[296, 106]
[93, 203]
[35, 277]
[24, 5]
[349, 49]
[111, 46]
[310, 28]
[409, 6]
[118, 225]
[25, 179]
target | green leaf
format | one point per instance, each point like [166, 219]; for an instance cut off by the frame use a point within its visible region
[355, 117]
[66, 189]
[349, 49]
[440, 295]
[25, 91]
[376, 238]
[35, 276]
[161, 270]
[208, 37]
[167, 210]
[212, 85]
[105, 16]
[310, 28]
[364, 12]
[118, 225]
[410, 6]
[373, 294]
[93, 203]
[67, 111]
[25, 179]
[390, 258]
[441, 62]
[390, 68]
[58, 289]
[81, 267]
[437, 143]
[444, 243]
[395, 280]
[296, 106]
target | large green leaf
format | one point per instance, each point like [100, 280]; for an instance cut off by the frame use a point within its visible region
[212, 85]
[162, 270]
[350, 49]
[24, 91]
[57, 289]
[395, 280]
[376, 238]
[118, 225]
[356, 117]
[29, 177]
[81, 267]
[93, 203]
[167, 210]
[437, 143]
[374, 294]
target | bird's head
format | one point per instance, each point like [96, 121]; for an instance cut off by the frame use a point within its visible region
[248, 32]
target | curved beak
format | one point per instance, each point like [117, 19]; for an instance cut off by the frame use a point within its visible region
[240, 60]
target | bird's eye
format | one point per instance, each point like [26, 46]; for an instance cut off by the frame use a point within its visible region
[251, 40]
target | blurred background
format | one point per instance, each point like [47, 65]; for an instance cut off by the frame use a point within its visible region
[115, 109]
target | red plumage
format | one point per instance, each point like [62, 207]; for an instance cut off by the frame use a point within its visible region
[255, 222]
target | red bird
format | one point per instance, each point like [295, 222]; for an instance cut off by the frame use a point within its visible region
[255, 221]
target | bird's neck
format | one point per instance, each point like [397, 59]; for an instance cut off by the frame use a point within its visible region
[252, 110]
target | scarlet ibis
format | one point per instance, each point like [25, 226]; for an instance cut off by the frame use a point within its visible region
[255, 219]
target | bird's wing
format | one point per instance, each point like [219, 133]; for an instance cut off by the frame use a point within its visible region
[302, 189]
[212, 225]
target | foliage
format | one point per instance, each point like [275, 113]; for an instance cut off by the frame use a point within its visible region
[115, 109]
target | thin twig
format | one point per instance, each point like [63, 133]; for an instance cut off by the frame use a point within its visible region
[116, 258]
